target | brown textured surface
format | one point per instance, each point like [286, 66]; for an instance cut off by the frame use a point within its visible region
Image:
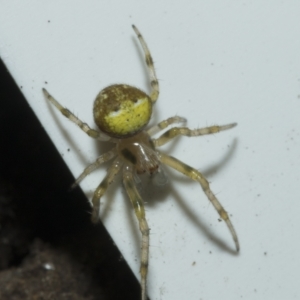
[47, 273]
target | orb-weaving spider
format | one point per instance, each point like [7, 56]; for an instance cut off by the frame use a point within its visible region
[122, 112]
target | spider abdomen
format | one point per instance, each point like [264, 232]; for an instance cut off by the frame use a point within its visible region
[139, 152]
[122, 110]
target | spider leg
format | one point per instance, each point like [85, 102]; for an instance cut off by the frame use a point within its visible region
[102, 187]
[149, 61]
[175, 131]
[164, 124]
[83, 126]
[197, 176]
[138, 205]
[90, 168]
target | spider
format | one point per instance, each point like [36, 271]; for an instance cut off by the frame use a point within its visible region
[122, 113]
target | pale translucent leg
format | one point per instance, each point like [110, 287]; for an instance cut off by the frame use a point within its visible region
[149, 61]
[175, 131]
[83, 126]
[164, 124]
[138, 205]
[101, 189]
[197, 176]
[90, 168]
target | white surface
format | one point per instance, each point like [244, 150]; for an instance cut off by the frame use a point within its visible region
[218, 62]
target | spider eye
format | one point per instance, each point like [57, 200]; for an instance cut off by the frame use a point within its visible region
[122, 110]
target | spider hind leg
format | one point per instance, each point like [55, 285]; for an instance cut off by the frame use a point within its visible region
[197, 176]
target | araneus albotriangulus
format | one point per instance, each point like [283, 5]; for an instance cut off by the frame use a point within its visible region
[122, 112]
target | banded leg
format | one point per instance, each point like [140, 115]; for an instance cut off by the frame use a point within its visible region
[175, 131]
[138, 205]
[83, 126]
[149, 61]
[164, 124]
[92, 167]
[101, 189]
[197, 176]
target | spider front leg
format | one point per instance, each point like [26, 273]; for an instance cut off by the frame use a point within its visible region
[138, 205]
[175, 131]
[164, 124]
[197, 176]
[83, 126]
[101, 189]
[149, 61]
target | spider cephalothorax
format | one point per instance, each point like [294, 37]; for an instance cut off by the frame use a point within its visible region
[122, 112]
